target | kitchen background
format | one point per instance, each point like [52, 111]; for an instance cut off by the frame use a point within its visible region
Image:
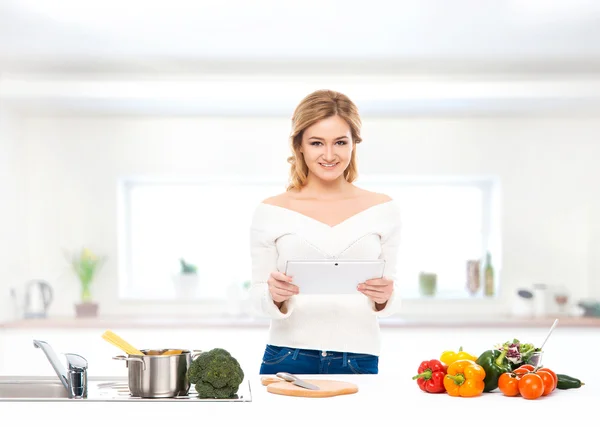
[121, 127]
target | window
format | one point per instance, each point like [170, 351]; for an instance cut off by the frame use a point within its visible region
[206, 223]
[445, 223]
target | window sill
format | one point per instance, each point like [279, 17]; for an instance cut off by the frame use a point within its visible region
[170, 299]
[399, 322]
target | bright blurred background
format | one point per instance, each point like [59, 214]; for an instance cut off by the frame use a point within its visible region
[147, 132]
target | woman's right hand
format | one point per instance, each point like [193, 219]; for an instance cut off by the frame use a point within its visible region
[281, 288]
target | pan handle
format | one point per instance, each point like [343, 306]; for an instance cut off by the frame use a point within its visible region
[196, 353]
[130, 359]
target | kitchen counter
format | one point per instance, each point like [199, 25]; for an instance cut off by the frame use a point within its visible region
[390, 398]
[250, 322]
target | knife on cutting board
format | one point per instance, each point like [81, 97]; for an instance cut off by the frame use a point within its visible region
[291, 379]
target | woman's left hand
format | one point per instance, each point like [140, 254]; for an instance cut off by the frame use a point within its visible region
[378, 290]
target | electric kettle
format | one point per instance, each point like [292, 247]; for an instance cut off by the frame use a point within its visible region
[38, 297]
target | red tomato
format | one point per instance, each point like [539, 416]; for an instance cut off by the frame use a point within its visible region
[508, 384]
[521, 371]
[551, 373]
[531, 386]
[548, 380]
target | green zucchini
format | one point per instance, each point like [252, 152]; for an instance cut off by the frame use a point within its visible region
[566, 382]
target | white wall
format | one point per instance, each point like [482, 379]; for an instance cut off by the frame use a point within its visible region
[547, 166]
[13, 253]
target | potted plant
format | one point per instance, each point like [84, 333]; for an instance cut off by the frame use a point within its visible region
[187, 268]
[186, 280]
[86, 264]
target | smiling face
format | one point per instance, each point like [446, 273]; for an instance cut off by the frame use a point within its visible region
[327, 148]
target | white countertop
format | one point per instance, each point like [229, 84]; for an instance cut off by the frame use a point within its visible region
[381, 400]
[251, 322]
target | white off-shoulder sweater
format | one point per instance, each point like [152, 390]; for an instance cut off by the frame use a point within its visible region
[345, 323]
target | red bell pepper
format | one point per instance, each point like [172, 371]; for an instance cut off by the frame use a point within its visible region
[430, 377]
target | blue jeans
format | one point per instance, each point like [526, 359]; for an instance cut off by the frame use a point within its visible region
[300, 361]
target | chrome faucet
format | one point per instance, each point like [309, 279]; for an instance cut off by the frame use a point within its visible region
[74, 376]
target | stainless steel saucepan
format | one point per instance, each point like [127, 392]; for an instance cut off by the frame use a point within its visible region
[159, 375]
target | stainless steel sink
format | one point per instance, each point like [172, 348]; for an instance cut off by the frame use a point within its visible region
[100, 389]
[34, 389]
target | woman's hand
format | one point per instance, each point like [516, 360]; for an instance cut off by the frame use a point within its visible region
[281, 288]
[377, 290]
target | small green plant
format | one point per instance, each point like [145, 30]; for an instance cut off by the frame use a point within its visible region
[85, 264]
[187, 268]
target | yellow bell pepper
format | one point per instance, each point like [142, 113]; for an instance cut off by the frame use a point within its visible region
[464, 379]
[449, 357]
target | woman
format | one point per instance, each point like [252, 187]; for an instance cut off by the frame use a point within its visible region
[322, 215]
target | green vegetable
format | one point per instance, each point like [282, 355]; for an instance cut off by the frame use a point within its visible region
[215, 374]
[494, 363]
[527, 351]
[518, 353]
[566, 382]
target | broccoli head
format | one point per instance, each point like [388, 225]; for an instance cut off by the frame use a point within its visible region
[215, 374]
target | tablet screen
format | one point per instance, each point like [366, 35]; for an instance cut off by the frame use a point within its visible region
[332, 276]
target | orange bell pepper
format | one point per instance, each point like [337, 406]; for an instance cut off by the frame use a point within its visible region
[464, 379]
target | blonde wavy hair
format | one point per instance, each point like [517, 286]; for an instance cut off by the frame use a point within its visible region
[317, 106]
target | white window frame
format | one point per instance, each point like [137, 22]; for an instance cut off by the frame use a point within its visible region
[490, 227]
[126, 291]
[490, 208]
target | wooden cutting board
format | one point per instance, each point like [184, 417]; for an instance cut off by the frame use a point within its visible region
[328, 388]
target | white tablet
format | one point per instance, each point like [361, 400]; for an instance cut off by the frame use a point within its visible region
[332, 276]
